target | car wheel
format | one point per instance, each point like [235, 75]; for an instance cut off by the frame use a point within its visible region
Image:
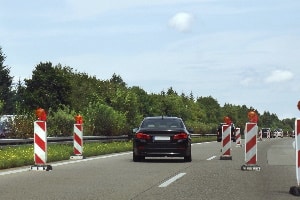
[188, 158]
[136, 158]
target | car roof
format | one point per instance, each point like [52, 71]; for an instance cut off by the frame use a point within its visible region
[162, 117]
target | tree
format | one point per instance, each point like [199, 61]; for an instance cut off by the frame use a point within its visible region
[212, 109]
[117, 80]
[48, 88]
[5, 85]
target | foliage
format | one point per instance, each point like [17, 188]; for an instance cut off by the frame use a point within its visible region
[48, 88]
[21, 126]
[5, 86]
[61, 122]
[102, 119]
[109, 107]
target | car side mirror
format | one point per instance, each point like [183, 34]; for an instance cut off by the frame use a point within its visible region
[191, 130]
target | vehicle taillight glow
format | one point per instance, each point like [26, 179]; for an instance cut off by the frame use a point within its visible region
[143, 136]
[180, 136]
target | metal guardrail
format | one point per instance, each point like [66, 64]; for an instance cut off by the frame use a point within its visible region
[64, 139]
[69, 139]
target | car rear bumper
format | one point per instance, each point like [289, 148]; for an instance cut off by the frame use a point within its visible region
[162, 149]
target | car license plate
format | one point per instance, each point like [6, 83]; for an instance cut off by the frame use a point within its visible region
[161, 138]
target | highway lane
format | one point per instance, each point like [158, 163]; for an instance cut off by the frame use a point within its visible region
[206, 177]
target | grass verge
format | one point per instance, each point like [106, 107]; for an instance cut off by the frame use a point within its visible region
[18, 156]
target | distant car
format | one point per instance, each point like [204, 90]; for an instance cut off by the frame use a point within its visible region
[278, 132]
[219, 132]
[265, 132]
[162, 137]
[4, 129]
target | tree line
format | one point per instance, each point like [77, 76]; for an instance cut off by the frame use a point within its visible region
[108, 107]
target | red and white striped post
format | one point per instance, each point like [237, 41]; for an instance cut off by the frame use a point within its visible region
[40, 142]
[297, 142]
[78, 138]
[226, 142]
[295, 190]
[251, 130]
[238, 137]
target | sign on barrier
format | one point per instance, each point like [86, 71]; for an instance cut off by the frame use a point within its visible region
[226, 142]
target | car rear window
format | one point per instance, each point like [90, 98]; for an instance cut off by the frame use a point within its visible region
[162, 123]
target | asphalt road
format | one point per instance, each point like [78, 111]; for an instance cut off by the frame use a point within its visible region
[118, 177]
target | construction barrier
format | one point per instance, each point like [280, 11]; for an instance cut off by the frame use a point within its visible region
[78, 142]
[40, 146]
[226, 142]
[238, 137]
[295, 190]
[251, 147]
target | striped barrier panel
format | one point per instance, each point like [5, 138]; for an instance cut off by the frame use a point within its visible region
[251, 147]
[238, 137]
[295, 190]
[78, 141]
[226, 142]
[297, 142]
[40, 146]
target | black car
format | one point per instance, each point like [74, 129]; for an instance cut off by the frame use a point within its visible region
[162, 137]
[219, 132]
[266, 132]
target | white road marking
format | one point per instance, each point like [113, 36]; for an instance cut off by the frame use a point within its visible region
[64, 163]
[14, 171]
[171, 180]
[211, 158]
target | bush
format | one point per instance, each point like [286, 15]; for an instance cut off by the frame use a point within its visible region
[21, 126]
[104, 120]
[61, 122]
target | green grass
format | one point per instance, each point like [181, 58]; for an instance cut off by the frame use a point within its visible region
[18, 156]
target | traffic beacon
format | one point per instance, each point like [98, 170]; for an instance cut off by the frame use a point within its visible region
[251, 130]
[226, 139]
[40, 141]
[78, 138]
[295, 190]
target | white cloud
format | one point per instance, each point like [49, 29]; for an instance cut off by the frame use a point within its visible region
[182, 21]
[279, 76]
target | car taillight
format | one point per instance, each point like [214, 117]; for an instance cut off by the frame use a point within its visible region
[180, 136]
[143, 136]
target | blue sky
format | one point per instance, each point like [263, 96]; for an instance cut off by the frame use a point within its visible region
[237, 51]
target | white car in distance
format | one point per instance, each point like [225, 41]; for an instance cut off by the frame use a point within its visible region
[278, 132]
